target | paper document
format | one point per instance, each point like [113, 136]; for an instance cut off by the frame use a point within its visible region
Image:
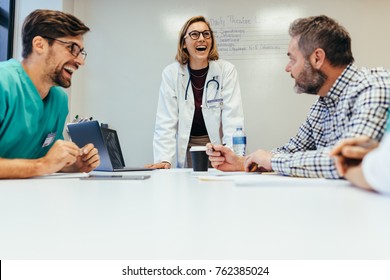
[267, 179]
[216, 175]
[280, 180]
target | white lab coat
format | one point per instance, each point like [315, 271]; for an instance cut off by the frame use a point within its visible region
[175, 113]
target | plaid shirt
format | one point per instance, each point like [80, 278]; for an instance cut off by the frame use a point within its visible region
[357, 104]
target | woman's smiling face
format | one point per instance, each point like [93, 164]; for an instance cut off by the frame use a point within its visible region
[198, 49]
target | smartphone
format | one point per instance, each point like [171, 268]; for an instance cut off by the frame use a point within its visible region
[116, 177]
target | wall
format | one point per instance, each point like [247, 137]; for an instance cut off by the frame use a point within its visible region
[132, 41]
[22, 9]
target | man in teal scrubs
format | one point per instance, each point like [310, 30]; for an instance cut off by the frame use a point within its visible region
[33, 105]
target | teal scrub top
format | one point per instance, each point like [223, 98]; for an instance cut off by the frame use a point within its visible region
[388, 122]
[29, 126]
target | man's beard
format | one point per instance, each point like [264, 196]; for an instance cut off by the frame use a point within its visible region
[58, 79]
[310, 80]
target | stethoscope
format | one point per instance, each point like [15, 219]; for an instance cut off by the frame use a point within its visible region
[213, 80]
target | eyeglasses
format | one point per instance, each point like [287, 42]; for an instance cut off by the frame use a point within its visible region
[196, 34]
[73, 48]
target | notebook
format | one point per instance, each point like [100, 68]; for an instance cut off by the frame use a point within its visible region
[106, 141]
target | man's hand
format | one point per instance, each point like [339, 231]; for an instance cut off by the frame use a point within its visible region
[87, 160]
[259, 161]
[350, 152]
[223, 158]
[61, 155]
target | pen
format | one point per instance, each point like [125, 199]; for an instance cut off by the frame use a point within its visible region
[253, 167]
[212, 149]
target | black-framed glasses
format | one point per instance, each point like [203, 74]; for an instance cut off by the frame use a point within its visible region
[73, 48]
[196, 34]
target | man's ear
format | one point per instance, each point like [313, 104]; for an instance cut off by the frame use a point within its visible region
[317, 58]
[39, 45]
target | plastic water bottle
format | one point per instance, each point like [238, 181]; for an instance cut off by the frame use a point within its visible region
[239, 142]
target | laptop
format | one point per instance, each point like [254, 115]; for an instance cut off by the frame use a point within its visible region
[106, 141]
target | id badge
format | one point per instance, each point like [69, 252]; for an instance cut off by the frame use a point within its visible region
[49, 139]
[215, 103]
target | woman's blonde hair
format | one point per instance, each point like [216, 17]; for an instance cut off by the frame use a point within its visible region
[182, 55]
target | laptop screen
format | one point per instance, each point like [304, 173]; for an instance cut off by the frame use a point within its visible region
[106, 141]
[114, 149]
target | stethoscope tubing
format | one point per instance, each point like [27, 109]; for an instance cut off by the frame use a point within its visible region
[207, 86]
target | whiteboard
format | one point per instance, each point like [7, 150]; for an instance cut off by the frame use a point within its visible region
[132, 41]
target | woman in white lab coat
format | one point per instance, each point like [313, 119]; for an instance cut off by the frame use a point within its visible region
[199, 99]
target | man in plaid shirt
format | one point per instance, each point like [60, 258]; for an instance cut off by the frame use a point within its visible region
[351, 102]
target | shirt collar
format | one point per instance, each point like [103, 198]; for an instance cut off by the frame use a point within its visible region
[333, 96]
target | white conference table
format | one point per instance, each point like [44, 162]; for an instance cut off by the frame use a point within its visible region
[174, 215]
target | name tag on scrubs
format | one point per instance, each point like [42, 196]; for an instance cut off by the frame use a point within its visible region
[49, 139]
